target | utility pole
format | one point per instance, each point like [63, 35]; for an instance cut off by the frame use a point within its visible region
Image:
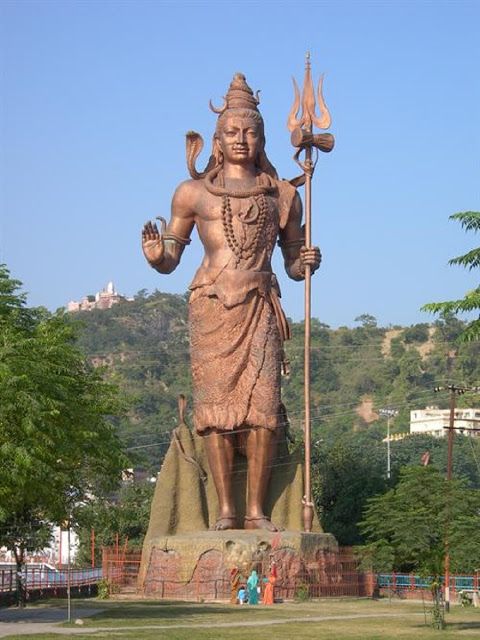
[69, 595]
[454, 392]
[389, 414]
[92, 550]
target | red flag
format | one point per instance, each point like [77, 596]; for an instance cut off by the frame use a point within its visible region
[425, 459]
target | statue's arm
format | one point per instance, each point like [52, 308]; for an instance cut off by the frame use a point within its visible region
[292, 242]
[163, 249]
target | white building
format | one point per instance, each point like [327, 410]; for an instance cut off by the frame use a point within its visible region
[104, 299]
[56, 554]
[59, 546]
[435, 422]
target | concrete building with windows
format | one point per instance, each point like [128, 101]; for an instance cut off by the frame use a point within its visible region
[435, 422]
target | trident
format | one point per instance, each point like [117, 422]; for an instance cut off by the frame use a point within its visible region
[303, 139]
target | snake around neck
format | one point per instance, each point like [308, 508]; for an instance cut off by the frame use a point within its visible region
[265, 185]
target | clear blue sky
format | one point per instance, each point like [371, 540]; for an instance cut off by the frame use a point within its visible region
[97, 97]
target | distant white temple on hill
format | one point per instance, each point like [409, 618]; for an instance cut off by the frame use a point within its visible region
[104, 299]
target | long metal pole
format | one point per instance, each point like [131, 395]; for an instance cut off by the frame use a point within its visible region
[60, 549]
[308, 504]
[388, 448]
[303, 139]
[69, 602]
[388, 413]
[451, 425]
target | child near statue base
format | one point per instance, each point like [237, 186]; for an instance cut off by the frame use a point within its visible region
[242, 595]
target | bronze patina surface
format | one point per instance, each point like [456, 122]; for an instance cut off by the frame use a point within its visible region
[241, 209]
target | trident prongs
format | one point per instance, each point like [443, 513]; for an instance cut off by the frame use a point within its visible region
[307, 103]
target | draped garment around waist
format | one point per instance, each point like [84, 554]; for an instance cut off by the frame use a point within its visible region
[237, 328]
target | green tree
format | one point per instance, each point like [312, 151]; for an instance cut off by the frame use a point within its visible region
[413, 518]
[126, 515]
[470, 221]
[407, 527]
[344, 478]
[57, 445]
[367, 321]
[416, 333]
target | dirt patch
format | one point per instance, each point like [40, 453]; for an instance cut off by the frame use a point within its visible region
[365, 410]
[387, 340]
[427, 347]
[423, 349]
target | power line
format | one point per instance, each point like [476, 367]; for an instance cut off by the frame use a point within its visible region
[289, 345]
[394, 404]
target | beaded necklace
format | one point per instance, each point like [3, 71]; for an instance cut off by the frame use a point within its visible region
[257, 211]
[244, 251]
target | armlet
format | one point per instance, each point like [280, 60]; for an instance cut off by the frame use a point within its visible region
[285, 244]
[177, 239]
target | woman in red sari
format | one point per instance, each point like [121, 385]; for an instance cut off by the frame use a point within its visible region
[268, 591]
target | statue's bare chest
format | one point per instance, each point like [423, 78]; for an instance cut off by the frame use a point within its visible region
[254, 210]
[247, 224]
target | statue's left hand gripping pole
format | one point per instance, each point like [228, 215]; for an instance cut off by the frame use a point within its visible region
[304, 140]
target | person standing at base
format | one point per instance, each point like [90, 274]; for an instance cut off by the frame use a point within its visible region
[269, 586]
[252, 588]
[235, 579]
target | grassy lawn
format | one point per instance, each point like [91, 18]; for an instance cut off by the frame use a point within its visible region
[377, 620]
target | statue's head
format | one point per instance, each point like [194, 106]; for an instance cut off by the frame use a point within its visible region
[240, 111]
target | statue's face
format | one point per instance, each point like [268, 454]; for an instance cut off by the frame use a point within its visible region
[240, 140]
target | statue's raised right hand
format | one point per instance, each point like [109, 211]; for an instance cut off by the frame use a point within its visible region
[152, 242]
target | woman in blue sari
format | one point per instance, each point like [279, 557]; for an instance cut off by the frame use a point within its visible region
[252, 586]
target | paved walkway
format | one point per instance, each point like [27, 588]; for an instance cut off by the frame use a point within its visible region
[25, 626]
[31, 620]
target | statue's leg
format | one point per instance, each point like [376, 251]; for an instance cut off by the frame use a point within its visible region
[261, 448]
[220, 448]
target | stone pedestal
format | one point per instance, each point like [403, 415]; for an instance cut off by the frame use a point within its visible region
[198, 565]
[183, 558]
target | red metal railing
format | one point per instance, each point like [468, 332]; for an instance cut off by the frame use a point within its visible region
[7, 580]
[332, 575]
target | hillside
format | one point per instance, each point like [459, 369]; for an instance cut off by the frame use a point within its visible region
[355, 371]
[143, 346]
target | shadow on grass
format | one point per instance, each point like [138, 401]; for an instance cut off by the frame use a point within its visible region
[166, 610]
[462, 626]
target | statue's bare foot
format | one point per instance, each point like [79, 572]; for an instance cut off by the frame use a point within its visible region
[261, 522]
[224, 523]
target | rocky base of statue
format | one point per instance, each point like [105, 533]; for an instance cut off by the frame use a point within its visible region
[199, 566]
[180, 539]
[185, 499]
